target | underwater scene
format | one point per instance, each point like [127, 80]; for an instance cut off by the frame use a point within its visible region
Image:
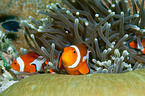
[72, 48]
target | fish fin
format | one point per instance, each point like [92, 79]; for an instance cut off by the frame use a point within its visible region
[133, 44]
[51, 71]
[143, 51]
[143, 42]
[33, 54]
[84, 69]
[60, 65]
[46, 62]
[31, 69]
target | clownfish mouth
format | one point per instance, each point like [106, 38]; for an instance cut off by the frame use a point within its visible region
[13, 70]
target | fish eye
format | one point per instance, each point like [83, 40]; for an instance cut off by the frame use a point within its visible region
[15, 63]
[74, 52]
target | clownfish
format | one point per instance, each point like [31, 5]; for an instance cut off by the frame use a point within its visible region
[29, 63]
[134, 44]
[74, 60]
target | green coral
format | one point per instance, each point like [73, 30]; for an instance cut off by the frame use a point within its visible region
[6, 47]
[7, 77]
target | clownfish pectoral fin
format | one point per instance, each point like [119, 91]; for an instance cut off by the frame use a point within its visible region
[143, 51]
[31, 69]
[60, 65]
[84, 69]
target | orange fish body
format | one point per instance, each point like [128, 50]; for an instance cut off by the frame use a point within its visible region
[28, 63]
[133, 44]
[74, 60]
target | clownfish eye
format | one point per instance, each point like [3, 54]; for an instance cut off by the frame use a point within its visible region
[74, 52]
[15, 63]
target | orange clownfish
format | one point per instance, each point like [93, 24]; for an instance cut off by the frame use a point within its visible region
[134, 44]
[29, 63]
[74, 60]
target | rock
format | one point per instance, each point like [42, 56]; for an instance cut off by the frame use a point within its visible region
[24, 8]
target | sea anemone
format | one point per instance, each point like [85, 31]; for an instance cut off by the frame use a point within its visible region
[101, 25]
[125, 84]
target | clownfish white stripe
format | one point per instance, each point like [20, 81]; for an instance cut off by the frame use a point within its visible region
[21, 64]
[78, 58]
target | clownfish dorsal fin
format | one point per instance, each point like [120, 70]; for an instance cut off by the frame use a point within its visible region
[84, 68]
[32, 54]
[78, 58]
[21, 64]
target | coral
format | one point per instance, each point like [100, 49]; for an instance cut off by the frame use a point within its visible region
[100, 25]
[127, 84]
[7, 79]
[5, 44]
[6, 84]
[7, 54]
